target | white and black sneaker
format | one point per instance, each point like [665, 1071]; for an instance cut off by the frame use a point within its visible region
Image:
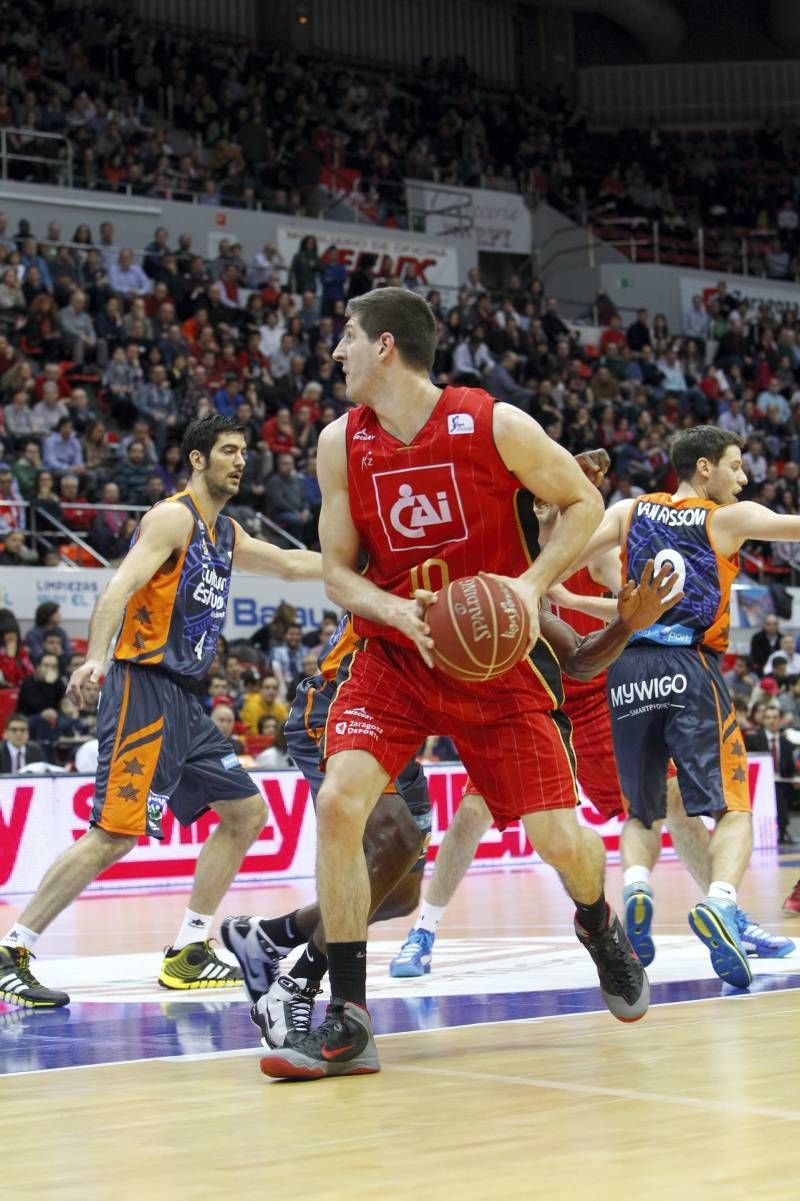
[284, 1014]
[257, 955]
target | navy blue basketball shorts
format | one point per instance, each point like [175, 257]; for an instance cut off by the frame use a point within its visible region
[158, 749]
[672, 702]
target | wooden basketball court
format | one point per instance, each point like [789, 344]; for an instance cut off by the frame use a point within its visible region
[503, 1075]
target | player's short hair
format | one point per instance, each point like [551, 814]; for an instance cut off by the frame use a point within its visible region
[700, 442]
[202, 433]
[407, 317]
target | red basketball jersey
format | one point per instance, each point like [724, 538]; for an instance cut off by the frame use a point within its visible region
[582, 584]
[443, 507]
[438, 509]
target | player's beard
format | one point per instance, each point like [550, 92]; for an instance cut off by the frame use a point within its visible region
[223, 491]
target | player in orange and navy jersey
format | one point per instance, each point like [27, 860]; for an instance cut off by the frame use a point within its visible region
[426, 482]
[666, 692]
[582, 603]
[158, 747]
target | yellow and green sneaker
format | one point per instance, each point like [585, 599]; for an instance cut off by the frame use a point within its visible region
[196, 966]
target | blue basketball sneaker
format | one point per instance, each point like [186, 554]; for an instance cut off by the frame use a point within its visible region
[638, 902]
[757, 941]
[714, 922]
[414, 957]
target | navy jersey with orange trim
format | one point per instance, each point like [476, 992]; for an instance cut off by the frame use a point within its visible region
[681, 532]
[336, 653]
[174, 620]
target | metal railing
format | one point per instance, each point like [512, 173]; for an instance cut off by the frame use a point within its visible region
[278, 532]
[48, 531]
[62, 169]
[640, 240]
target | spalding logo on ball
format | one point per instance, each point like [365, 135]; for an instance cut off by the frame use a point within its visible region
[479, 627]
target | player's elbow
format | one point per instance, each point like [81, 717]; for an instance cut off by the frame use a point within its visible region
[595, 505]
[578, 671]
[288, 566]
[335, 587]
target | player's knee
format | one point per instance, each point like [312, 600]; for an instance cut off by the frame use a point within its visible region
[244, 819]
[109, 847]
[339, 807]
[474, 812]
[559, 842]
[391, 832]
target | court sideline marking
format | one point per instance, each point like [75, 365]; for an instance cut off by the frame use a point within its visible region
[241, 1052]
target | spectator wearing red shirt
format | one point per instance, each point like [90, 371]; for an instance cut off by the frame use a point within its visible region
[278, 434]
[613, 334]
[15, 662]
[77, 513]
[228, 362]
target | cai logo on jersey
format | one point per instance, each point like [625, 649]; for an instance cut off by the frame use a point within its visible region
[420, 507]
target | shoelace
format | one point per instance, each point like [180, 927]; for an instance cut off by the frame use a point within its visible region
[301, 1008]
[209, 945]
[415, 942]
[748, 928]
[333, 1026]
[23, 959]
[618, 967]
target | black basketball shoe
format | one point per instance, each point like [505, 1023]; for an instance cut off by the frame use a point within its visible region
[343, 1045]
[623, 980]
[19, 985]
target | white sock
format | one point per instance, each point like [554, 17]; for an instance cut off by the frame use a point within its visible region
[635, 875]
[720, 890]
[429, 917]
[20, 936]
[195, 928]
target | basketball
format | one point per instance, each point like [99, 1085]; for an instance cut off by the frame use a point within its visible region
[479, 628]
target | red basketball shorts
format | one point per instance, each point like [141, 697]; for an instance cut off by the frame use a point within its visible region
[594, 750]
[516, 750]
[591, 741]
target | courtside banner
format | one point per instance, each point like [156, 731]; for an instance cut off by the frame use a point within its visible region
[433, 264]
[40, 816]
[252, 602]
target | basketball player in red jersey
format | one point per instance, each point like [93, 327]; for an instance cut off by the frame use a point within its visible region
[426, 481]
[158, 747]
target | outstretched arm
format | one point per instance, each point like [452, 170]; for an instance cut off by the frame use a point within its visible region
[251, 554]
[604, 608]
[734, 524]
[637, 608]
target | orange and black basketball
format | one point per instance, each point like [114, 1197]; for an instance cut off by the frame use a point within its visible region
[479, 628]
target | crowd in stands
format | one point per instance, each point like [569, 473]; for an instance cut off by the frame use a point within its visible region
[97, 389]
[153, 112]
